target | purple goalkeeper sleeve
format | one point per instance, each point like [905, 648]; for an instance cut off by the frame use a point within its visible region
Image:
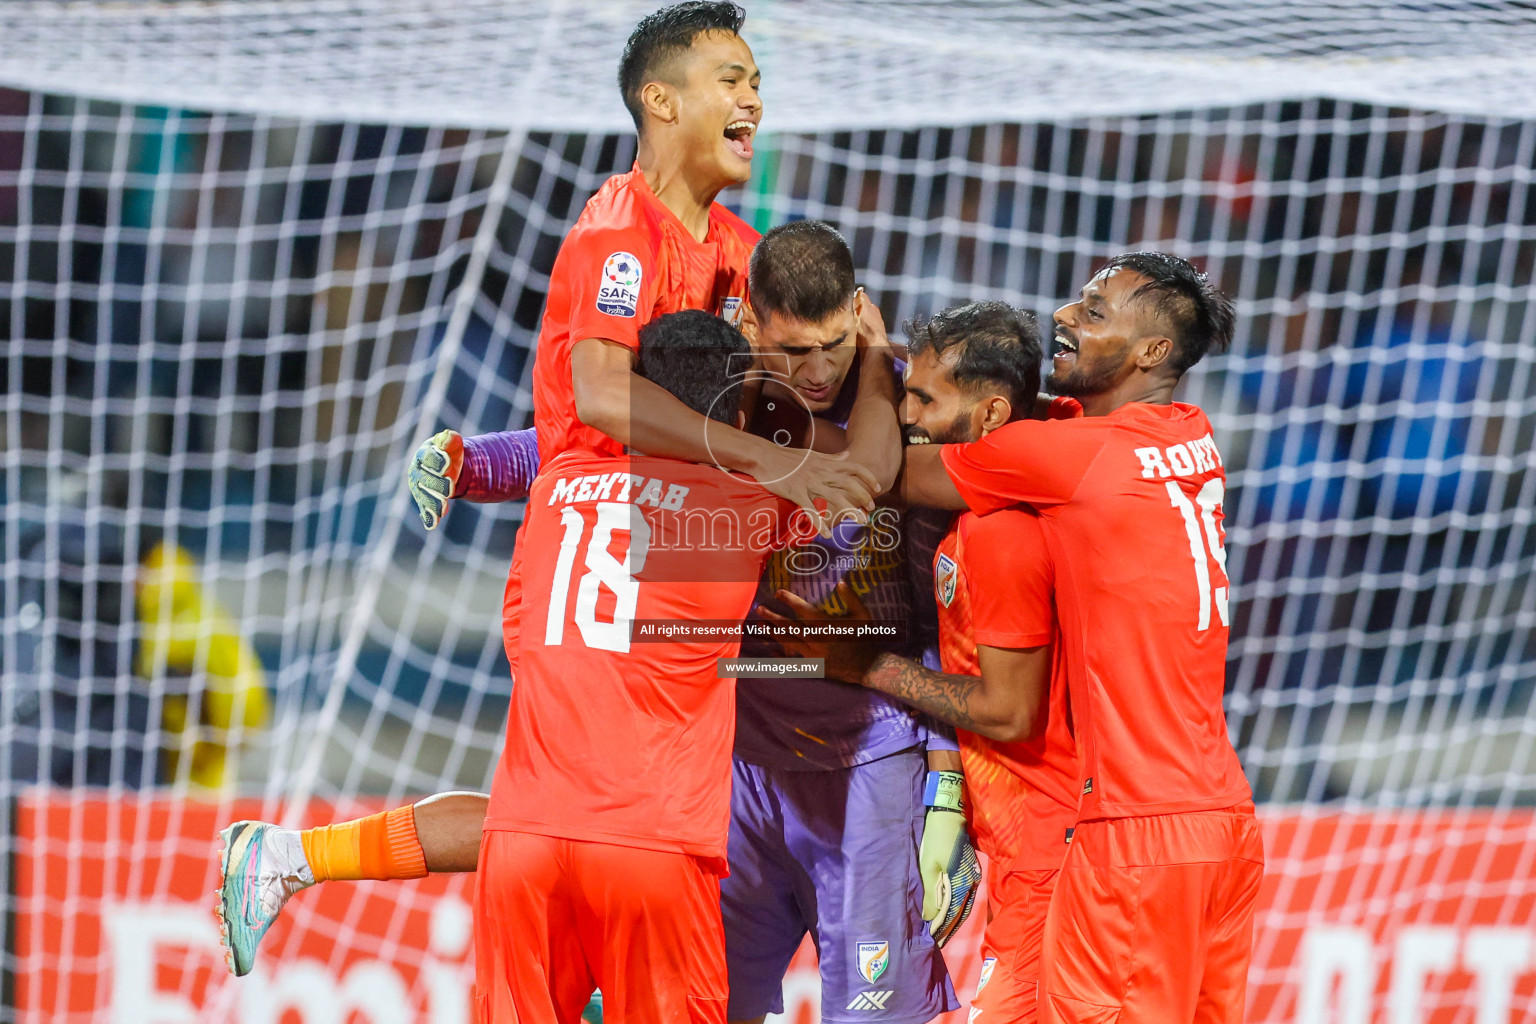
[499, 466]
[935, 735]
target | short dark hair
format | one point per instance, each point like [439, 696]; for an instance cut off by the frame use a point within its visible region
[803, 269]
[995, 345]
[696, 356]
[1199, 317]
[665, 35]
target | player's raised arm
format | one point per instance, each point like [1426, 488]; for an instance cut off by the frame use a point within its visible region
[486, 468]
[924, 481]
[874, 432]
[612, 398]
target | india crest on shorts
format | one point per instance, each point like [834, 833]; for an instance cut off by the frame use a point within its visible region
[945, 575]
[874, 958]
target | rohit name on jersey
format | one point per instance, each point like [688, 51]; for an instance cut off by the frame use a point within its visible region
[1192, 458]
[621, 487]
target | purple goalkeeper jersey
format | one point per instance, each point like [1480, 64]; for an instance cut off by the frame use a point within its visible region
[821, 724]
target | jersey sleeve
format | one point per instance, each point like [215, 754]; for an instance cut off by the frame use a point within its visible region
[936, 735]
[610, 276]
[499, 466]
[1011, 603]
[1037, 462]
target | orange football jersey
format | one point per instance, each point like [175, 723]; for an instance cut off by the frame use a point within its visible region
[993, 582]
[615, 733]
[1131, 505]
[626, 261]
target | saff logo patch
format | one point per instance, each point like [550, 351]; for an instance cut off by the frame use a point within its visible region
[618, 291]
[730, 310]
[945, 575]
[874, 958]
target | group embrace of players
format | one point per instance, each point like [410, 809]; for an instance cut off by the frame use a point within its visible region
[718, 427]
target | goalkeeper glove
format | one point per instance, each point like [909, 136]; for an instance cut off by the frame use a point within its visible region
[433, 473]
[951, 874]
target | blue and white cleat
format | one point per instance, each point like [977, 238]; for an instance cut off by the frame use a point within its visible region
[261, 866]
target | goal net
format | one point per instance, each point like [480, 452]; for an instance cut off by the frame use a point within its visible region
[256, 252]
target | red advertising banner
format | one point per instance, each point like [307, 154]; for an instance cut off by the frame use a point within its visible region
[115, 922]
[1400, 917]
[1382, 918]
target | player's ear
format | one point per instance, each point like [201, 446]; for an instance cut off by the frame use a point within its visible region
[995, 411]
[1000, 410]
[1155, 351]
[659, 101]
[749, 324]
[741, 420]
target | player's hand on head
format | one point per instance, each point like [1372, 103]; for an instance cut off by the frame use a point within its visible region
[433, 472]
[748, 328]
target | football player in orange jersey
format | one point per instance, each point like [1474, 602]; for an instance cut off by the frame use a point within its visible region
[1152, 915]
[605, 839]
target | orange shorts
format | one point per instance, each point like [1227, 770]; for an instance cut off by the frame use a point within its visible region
[556, 918]
[1152, 920]
[1010, 948]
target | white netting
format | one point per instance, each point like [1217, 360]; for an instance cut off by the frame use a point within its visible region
[892, 63]
[224, 327]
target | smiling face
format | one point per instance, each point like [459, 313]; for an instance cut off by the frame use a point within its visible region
[718, 109]
[1096, 336]
[936, 409]
[818, 354]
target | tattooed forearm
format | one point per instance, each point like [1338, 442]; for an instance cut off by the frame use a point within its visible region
[954, 699]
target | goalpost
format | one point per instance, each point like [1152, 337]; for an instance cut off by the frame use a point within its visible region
[255, 252]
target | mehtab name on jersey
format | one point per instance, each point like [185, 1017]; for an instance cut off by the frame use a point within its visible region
[618, 487]
[1191, 458]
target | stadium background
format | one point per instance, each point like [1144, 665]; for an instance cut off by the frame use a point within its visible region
[255, 252]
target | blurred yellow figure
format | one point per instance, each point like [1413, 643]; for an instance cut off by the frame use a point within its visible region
[185, 632]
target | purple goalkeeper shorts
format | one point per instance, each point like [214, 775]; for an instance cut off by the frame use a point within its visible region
[832, 853]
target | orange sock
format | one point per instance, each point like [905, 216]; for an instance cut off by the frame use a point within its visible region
[380, 846]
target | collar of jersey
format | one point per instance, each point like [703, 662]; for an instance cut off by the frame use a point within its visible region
[1169, 411]
[643, 187]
